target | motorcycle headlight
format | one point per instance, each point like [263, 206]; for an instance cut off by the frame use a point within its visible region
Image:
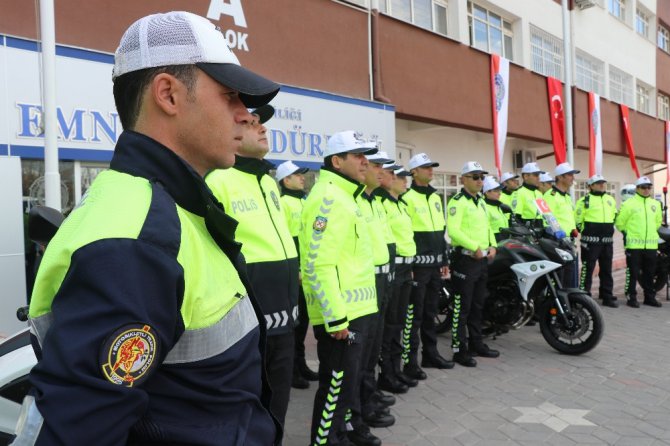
[564, 255]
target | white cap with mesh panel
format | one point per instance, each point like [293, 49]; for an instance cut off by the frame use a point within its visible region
[349, 141]
[289, 168]
[184, 38]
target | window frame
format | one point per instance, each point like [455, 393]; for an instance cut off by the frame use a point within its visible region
[550, 66]
[643, 18]
[626, 91]
[621, 7]
[663, 106]
[595, 69]
[643, 95]
[388, 9]
[505, 28]
[663, 38]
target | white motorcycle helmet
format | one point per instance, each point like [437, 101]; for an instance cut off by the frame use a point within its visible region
[627, 191]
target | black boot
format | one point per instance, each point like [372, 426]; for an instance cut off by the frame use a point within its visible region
[362, 436]
[632, 302]
[434, 360]
[414, 371]
[298, 381]
[305, 371]
[382, 398]
[464, 358]
[391, 384]
[483, 350]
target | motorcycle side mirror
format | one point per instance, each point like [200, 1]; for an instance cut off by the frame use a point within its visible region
[43, 223]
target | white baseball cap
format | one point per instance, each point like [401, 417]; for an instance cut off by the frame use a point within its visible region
[508, 176]
[472, 167]
[490, 183]
[642, 181]
[288, 168]
[531, 168]
[349, 141]
[421, 160]
[391, 166]
[564, 168]
[596, 179]
[546, 178]
[402, 172]
[379, 158]
[184, 38]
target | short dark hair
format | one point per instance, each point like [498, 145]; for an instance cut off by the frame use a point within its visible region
[129, 89]
[328, 161]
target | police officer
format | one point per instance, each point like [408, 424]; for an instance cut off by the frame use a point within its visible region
[382, 245]
[498, 213]
[291, 179]
[474, 243]
[546, 182]
[523, 201]
[594, 215]
[251, 197]
[147, 330]
[339, 283]
[560, 202]
[510, 183]
[394, 184]
[424, 206]
[639, 220]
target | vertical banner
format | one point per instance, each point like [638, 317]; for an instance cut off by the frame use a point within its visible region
[595, 137]
[667, 152]
[555, 90]
[499, 105]
[629, 139]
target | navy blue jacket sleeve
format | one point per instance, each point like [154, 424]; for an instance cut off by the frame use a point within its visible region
[111, 285]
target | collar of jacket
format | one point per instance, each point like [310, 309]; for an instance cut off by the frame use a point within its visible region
[559, 191]
[637, 194]
[385, 195]
[426, 190]
[529, 186]
[467, 195]
[597, 193]
[492, 202]
[141, 156]
[291, 192]
[253, 166]
[344, 182]
[507, 191]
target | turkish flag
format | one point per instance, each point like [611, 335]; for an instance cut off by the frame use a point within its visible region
[556, 117]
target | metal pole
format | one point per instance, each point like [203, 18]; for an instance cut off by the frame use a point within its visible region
[51, 173]
[567, 66]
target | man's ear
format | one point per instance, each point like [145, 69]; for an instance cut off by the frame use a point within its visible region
[166, 92]
[337, 162]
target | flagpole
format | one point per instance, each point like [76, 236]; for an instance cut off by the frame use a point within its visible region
[52, 197]
[567, 66]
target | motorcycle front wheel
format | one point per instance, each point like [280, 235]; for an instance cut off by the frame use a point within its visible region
[583, 330]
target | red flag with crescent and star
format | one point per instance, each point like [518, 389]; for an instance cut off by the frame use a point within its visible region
[557, 119]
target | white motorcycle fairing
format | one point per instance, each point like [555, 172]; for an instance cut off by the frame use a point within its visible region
[527, 273]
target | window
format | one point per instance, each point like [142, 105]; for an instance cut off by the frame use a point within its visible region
[447, 185]
[617, 8]
[590, 73]
[643, 98]
[642, 23]
[546, 53]
[428, 14]
[663, 39]
[490, 32]
[663, 103]
[621, 87]
[581, 189]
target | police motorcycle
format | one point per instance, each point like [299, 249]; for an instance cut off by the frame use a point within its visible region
[17, 356]
[524, 282]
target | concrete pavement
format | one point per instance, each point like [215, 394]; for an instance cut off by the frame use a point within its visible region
[617, 394]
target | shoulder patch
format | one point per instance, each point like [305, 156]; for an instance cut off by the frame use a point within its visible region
[275, 200]
[129, 354]
[452, 210]
[457, 196]
[320, 224]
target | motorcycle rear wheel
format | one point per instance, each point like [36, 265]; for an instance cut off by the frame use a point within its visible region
[584, 331]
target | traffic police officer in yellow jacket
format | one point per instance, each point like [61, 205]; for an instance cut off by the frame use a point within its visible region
[424, 206]
[391, 378]
[291, 179]
[639, 219]
[368, 412]
[594, 216]
[560, 202]
[510, 183]
[251, 197]
[498, 213]
[471, 236]
[338, 279]
[147, 332]
[523, 200]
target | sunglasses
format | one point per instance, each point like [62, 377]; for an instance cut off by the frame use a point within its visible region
[646, 186]
[475, 177]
